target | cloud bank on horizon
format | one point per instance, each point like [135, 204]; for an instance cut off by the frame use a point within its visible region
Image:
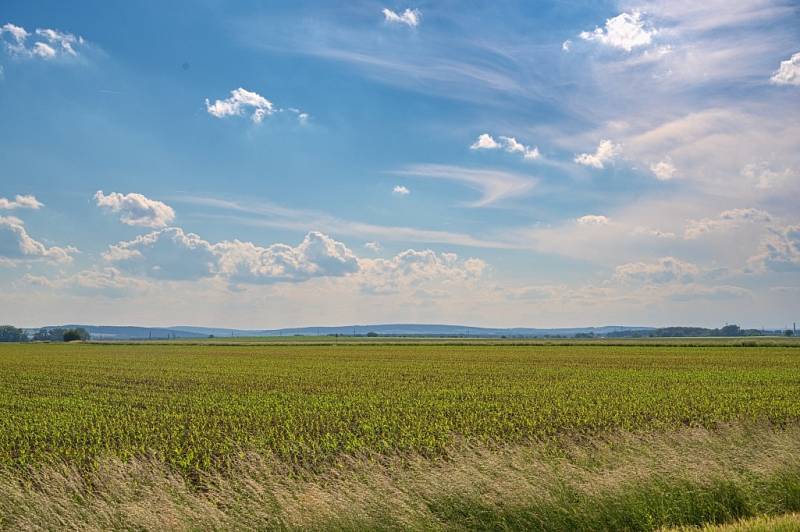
[520, 165]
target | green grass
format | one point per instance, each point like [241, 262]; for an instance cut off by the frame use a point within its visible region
[195, 407]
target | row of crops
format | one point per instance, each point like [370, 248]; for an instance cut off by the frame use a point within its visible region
[196, 406]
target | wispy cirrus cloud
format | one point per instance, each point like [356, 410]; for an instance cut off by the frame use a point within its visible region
[266, 214]
[493, 185]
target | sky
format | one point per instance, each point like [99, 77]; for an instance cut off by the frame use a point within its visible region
[272, 164]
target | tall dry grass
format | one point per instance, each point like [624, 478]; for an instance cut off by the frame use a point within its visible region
[618, 482]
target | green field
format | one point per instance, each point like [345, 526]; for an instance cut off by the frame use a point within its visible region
[194, 410]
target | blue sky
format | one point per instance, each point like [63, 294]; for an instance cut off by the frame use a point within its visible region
[261, 164]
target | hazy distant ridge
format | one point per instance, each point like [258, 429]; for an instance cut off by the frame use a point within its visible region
[397, 329]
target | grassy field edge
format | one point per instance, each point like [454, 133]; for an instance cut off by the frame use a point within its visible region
[687, 477]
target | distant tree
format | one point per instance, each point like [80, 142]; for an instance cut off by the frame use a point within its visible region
[10, 333]
[74, 335]
[211, 336]
[372, 334]
[730, 330]
[788, 332]
[55, 334]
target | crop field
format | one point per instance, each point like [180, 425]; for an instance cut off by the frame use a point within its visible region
[192, 412]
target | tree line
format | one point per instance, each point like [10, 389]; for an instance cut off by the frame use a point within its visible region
[9, 333]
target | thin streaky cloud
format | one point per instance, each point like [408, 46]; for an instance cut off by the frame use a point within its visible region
[270, 215]
[493, 185]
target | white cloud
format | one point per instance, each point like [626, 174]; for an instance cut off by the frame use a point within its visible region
[780, 251]
[64, 41]
[54, 42]
[754, 143]
[16, 245]
[765, 177]
[421, 273]
[409, 17]
[663, 270]
[136, 209]
[400, 190]
[605, 152]
[20, 202]
[726, 221]
[45, 51]
[494, 185]
[169, 254]
[566, 45]
[18, 33]
[593, 219]
[172, 254]
[625, 31]
[789, 72]
[510, 144]
[663, 170]
[375, 247]
[317, 256]
[242, 101]
[485, 142]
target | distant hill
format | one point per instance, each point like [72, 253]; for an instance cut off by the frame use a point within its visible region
[113, 332]
[410, 329]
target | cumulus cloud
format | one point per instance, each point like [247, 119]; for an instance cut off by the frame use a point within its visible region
[663, 270]
[726, 221]
[409, 17]
[318, 255]
[49, 43]
[240, 102]
[494, 185]
[65, 42]
[16, 245]
[375, 247]
[400, 190]
[510, 144]
[424, 273]
[625, 31]
[566, 45]
[605, 152]
[780, 251]
[20, 202]
[485, 142]
[789, 72]
[593, 219]
[169, 254]
[663, 170]
[136, 209]
[172, 254]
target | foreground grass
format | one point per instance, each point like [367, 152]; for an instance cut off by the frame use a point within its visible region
[686, 477]
[780, 523]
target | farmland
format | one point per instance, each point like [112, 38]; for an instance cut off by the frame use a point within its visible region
[195, 412]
